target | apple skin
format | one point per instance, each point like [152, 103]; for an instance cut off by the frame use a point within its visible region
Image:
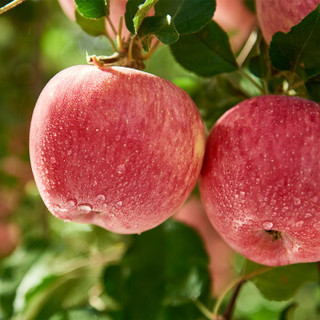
[117, 9]
[115, 147]
[260, 181]
[236, 19]
[220, 254]
[9, 238]
[281, 15]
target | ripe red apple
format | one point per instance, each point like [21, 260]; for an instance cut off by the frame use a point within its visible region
[220, 254]
[115, 147]
[282, 15]
[9, 238]
[117, 9]
[260, 182]
[236, 19]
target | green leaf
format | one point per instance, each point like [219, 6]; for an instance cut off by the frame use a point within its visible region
[189, 16]
[93, 9]
[163, 29]
[206, 53]
[281, 283]
[259, 64]
[313, 87]
[288, 312]
[299, 50]
[80, 314]
[94, 27]
[142, 12]
[132, 8]
[165, 267]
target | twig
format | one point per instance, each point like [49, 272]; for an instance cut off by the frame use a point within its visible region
[10, 5]
[228, 313]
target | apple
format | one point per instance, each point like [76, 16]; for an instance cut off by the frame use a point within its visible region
[9, 238]
[117, 9]
[260, 181]
[115, 147]
[282, 15]
[236, 19]
[220, 254]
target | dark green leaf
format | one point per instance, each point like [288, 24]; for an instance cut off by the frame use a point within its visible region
[206, 53]
[313, 87]
[164, 267]
[94, 27]
[299, 50]
[132, 8]
[162, 27]
[189, 16]
[287, 313]
[141, 13]
[281, 283]
[259, 64]
[80, 314]
[93, 9]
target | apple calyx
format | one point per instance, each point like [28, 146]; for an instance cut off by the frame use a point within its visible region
[128, 55]
[276, 235]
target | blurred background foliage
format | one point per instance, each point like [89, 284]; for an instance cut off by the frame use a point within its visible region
[58, 270]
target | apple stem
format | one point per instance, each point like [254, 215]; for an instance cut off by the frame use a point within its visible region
[10, 5]
[247, 47]
[228, 313]
[203, 309]
[235, 283]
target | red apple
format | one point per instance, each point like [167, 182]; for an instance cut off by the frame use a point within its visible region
[260, 182]
[115, 147]
[236, 19]
[220, 254]
[282, 15]
[117, 9]
[9, 238]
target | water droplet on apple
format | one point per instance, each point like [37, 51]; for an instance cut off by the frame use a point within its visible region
[71, 202]
[273, 202]
[86, 207]
[296, 201]
[242, 194]
[53, 160]
[267, 225]
[315, 199]
[100, 197]
[121, 169]
[119, 203]
[308, 215]
[299, 223]
[117, 138]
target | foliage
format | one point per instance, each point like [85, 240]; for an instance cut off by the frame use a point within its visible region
[68, 271]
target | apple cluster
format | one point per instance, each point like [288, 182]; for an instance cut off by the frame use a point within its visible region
[123, 149]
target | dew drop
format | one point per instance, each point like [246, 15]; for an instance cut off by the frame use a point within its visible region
[299, 223]
[308, 215]
[69, 152]
[100, 197]
[267, 225]
[242, 194]
[53, 160]
[71, 202]
[119, 203]
[273, 202]
[117, 138]
[296, 201]
[85, 207]
[121, 169]
[315, 199]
